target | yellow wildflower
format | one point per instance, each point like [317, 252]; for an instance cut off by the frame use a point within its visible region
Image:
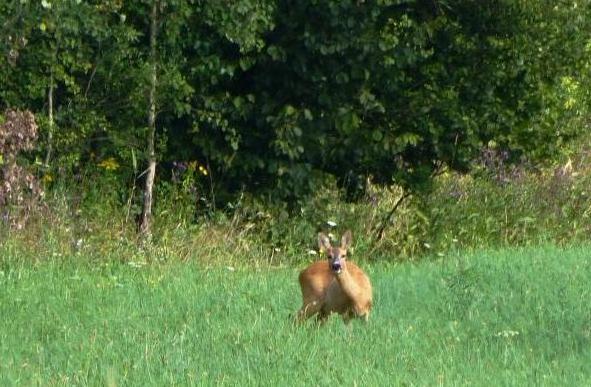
[110, 164]
[203, 170]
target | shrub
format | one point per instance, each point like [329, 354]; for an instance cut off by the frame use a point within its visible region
[19, 188]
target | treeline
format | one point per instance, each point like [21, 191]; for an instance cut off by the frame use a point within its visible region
[274, 96]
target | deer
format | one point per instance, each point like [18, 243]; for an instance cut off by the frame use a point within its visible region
[334, 285]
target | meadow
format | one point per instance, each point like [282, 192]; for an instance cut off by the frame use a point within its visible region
[166, 167]
[492, 317]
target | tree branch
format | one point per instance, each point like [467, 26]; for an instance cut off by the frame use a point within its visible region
[388, 217]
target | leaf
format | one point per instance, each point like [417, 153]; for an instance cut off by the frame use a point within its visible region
[377, 135]
[237, 102]
[289, 110]
[275, 53]
[133, 160]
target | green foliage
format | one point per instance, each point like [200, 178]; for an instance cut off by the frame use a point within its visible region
[396, 91]
[523, 320]
[63, 45]
[276, 96]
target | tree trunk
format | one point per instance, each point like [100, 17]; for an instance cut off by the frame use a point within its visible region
[50, 117]
[146, 219]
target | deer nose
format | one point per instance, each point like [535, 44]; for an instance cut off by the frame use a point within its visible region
[336, 265]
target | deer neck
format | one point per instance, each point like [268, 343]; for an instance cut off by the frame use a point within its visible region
[347, 283]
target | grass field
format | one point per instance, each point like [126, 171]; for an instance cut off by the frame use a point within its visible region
[515, 317]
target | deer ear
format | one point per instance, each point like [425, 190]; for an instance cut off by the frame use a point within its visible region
[346, 240]
[323, 242]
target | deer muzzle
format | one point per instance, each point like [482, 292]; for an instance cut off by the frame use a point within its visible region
[336, 265]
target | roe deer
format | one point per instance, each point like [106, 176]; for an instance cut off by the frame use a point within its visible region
[334, 285]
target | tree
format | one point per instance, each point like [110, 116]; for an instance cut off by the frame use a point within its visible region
[151, 170]
[60, 56]
[384, 90]
[275, 96]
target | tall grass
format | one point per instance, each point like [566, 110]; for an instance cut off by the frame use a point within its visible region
[462, 213]
[498, 205]
[514, 317]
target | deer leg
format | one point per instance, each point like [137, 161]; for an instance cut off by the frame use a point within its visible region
[347, 318]
[308, 310]
[322, 317]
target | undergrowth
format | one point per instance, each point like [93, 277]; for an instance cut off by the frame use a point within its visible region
[495, 206]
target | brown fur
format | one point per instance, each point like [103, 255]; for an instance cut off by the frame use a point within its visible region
[347, 293]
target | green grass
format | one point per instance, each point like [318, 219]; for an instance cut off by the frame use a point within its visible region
[515, 317]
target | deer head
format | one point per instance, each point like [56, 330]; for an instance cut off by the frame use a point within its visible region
[336, 255]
